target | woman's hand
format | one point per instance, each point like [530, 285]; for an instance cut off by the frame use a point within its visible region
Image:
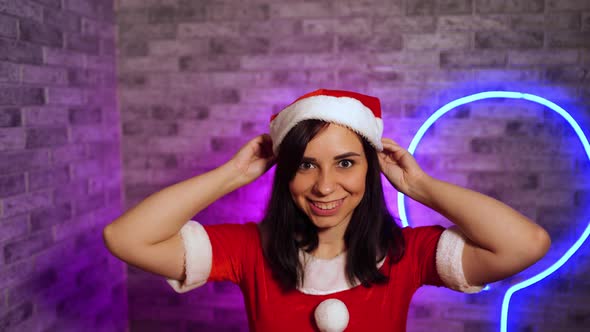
[399, 166]
[254, 158]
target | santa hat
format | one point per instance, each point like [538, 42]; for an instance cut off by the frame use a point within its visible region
[359, 112]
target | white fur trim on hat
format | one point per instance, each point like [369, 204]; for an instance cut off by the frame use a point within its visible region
[449, 261]
[198, 257]
[345, 111]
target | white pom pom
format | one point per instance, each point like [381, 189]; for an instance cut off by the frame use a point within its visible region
[331, 316]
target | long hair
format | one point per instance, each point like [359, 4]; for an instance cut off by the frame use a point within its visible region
[370, 236]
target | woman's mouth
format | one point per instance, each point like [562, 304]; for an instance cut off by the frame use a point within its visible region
[325, 208]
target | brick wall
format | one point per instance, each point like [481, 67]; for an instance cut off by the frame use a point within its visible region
[199, 78]
[60, 171]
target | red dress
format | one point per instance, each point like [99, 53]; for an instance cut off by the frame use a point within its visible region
[237, 257]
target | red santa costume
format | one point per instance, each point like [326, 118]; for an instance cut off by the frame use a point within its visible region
[325, 301]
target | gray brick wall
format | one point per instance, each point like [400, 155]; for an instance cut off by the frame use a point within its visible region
[60, 169]
[199, 78]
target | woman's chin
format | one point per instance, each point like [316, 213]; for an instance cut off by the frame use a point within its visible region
[327, 223]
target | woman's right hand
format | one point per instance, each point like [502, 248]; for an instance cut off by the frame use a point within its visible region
[254, 158]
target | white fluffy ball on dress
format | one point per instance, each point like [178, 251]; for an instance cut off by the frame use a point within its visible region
[331, 316]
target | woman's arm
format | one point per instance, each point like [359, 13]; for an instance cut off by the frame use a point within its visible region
[147, 235]
[501, 241]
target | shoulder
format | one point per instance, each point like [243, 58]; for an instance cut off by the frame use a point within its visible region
[235, 233]
[420, 254]
[422, 240]
[249, 227]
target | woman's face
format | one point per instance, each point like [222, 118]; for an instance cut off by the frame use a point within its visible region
[330, 180]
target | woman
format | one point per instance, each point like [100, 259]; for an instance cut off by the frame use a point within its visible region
[327, 255]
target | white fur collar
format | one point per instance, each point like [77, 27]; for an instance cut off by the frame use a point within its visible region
[325, 276]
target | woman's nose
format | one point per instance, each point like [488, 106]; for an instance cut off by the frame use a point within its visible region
[325, 183]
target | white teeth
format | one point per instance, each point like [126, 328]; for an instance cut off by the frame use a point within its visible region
[326, 206]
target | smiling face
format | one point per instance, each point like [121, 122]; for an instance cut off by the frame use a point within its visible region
[330, 180]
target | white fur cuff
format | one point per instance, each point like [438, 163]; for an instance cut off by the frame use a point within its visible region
[198, 257]
[449, 261]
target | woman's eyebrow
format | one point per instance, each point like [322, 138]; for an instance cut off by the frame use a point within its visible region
[347, 155]
[338, 157]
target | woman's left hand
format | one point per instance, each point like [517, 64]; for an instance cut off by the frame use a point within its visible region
[399, 166]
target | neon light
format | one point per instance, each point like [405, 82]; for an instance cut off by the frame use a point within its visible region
[511, 95]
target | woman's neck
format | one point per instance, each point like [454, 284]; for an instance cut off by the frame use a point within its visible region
[330, 244]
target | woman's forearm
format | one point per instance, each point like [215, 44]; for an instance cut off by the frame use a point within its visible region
[162, 214]
[489, 223]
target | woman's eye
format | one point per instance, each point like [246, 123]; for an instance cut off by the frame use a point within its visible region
[345, 163]
[305, 165]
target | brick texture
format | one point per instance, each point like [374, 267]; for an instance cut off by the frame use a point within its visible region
[57, 73]
[197, 79]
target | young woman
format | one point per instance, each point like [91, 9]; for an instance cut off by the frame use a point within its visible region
[327, 256]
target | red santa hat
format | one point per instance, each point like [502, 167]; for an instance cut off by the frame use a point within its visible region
[360, 113]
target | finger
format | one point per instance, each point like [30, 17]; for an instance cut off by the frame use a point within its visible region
[395, 154]
[263, 140]
[392, 148]
[388, 159]
[266, 137]
[389, 141]
[382, 156]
